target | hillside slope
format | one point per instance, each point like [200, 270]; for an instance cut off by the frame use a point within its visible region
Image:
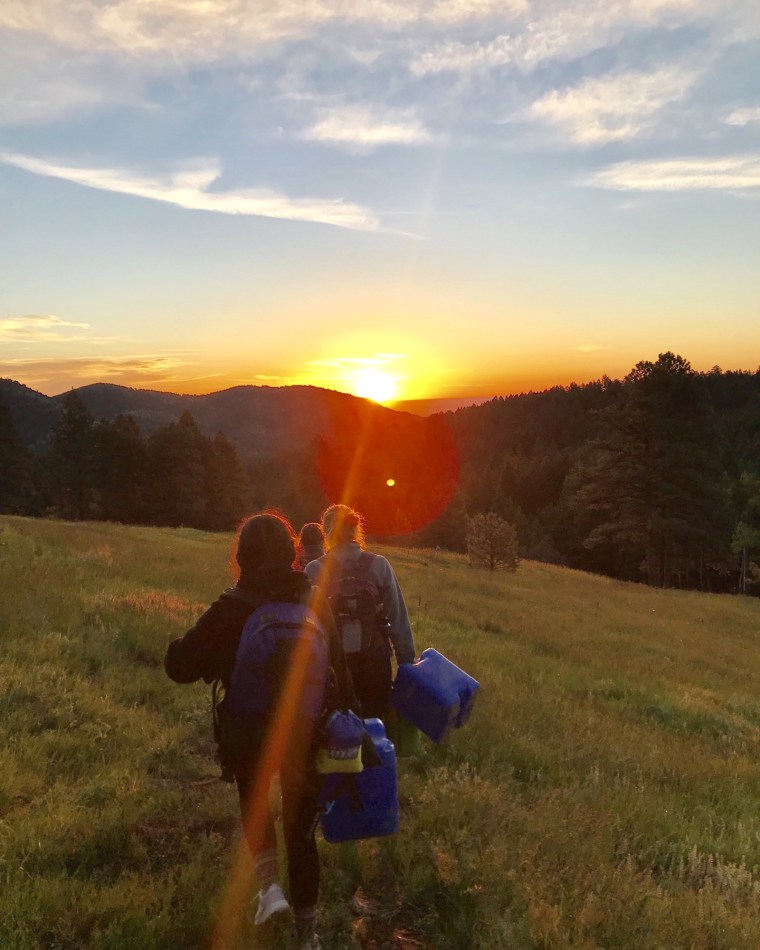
[604, 793]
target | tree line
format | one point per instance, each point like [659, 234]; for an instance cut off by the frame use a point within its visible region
[107, 470]
[655, 477]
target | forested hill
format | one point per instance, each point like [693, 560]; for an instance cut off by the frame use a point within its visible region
[262, 421]
[122, 454]
[655, 477]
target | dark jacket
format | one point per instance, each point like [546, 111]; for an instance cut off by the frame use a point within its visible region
[207, 651]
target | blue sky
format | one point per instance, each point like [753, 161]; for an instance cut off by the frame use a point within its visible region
[458, 198]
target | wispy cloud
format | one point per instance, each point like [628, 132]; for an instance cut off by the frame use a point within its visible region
[187, 188]
[564, 31]
[56, 375]
[732, 172]
[36, 328]
[610, 108]
[456, 56]
[361, 127]
[742, 117]
[204, 30]
[587, 348]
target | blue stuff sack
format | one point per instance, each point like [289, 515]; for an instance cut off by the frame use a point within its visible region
[340, 749]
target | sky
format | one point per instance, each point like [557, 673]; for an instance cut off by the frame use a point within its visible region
[395, 198]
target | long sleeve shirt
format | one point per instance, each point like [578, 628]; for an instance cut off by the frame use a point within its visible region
[385, 578]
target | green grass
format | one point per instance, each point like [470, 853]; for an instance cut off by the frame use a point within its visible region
[603, 796]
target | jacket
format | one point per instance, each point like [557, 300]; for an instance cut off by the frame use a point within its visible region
[207, 651]
[384, 576]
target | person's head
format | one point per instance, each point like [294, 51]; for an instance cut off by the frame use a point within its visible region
[340, 524]
[264, 541]
[311, 535]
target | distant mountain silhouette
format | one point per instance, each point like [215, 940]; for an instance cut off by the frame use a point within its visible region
[262, 421]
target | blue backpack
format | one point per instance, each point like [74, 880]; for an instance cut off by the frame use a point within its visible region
[282, 648]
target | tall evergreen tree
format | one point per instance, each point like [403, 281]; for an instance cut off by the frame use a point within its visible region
[653, 480]
[121, 470]
[227, 485]
[15, 481]
[177, 474]
[72, 461]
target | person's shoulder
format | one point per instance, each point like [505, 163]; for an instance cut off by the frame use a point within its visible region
[313, 568]
[234, 602]
[380, 564]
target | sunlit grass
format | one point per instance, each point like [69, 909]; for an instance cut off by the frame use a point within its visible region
[604, 793]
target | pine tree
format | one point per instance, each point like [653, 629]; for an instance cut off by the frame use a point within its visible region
[492, 542]
[72, 461]
[177, 474]
[15, 480]
[653, 478]
[227, 485]
[121, 470]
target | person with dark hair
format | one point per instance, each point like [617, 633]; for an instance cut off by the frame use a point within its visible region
[263, 554]
[368, 607]
[310, 544]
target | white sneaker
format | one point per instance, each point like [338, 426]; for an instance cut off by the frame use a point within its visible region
[310, 943]
[271, 901]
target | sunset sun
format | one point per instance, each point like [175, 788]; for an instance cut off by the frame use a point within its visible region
[375, 385]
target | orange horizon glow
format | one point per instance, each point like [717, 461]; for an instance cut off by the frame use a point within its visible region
[389, 379]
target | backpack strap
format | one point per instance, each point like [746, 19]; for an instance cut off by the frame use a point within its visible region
[364, 565]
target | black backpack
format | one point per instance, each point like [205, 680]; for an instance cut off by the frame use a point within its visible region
[356, 603]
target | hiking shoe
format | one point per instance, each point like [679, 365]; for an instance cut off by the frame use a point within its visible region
[310, 943]
[271, 901]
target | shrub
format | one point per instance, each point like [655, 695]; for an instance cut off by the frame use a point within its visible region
[491, 542]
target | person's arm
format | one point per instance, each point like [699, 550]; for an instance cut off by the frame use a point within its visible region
[207, 650]
[396, 613]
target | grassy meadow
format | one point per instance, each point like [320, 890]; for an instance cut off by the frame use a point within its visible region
[605, 794]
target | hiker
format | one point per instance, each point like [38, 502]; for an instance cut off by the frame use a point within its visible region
[267, 583]
[368, 607]
[310, 544]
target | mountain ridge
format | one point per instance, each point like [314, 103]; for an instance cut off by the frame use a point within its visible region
[261, 420]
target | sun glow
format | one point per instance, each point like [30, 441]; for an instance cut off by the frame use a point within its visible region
[375, 385]
[383, 368]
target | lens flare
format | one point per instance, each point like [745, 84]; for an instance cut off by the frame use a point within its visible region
[423, 455]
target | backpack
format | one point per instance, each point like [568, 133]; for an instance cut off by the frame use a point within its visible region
[356, 603]
[282, 646]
